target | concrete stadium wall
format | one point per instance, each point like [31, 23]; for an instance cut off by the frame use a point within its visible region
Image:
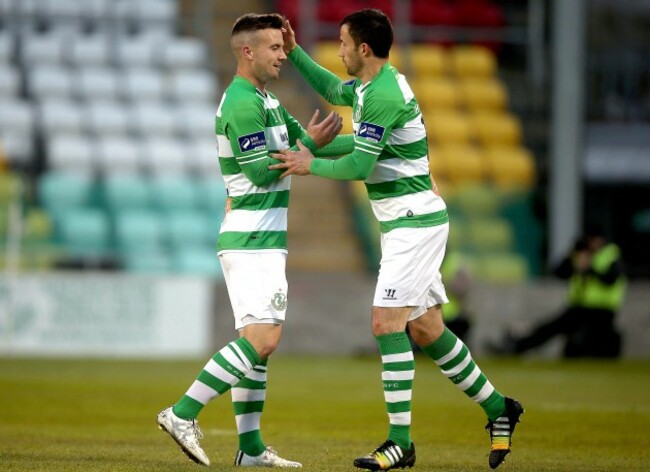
[330, 313]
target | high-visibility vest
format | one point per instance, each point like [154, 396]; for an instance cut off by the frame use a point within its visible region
[587, 291]
[450, 266]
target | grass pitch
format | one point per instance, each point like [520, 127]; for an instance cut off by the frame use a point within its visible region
[99, 415]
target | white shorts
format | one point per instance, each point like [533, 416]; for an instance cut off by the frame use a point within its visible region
[409, 274]
[257, 286]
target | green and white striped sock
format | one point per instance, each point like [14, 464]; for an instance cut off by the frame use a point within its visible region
[456, 363]
[398, 373]
[226, 368]
[248, 402]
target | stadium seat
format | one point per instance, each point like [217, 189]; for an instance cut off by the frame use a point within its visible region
[447, 127]
[463, 163]
[139, 231]
[60, 115]
[212, 195]
[326, 53]
[472, 61]
[346, 114]
[154, 15]
[477, 200]
[84, 231]
[483, 94]
[126, 191]
[197, 261]
[49, 81]
[17, 149]
[503, 268]
[192, 85]
[174, 192]
[17, 116]
[7, 47]
[203, 158]
[428, 60]
[492, 128]
[106, 118]
[184, 53]
[9, 80]
[118, 154]
[164, 156]
[42, 49]
[153, 119]
[189, 228]
[437, 165]
[59, 191]
[490, 234]
[141, 84]
[137, 51]
[97, 83]
[71, 152]
[434, 93]
[90, 51]
[510, 166]
[156, 262]
[195, 120]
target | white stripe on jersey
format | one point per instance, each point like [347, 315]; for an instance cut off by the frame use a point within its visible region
[273, 219]
[277, 138]
[271, 103]
[239, 185]
[393, 169]
[420, 203]
[224, 149]
[412, 132]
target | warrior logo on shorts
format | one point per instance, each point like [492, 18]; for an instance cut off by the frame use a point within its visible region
[279, 301]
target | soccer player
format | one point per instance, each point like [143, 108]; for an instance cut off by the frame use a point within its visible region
[252, 247]
[390, 156]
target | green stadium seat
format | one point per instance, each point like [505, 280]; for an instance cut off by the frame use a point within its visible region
[212, 195]
[172, 192]
[127, 191]
[188, 229]
[139, 231]
[85, 231]
[60, 191]
[148, 262]
[197, 261]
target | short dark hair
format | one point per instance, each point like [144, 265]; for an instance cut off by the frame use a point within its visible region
[257, 21]
[371, 26]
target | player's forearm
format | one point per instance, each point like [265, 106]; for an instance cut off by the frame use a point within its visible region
[259, 174]
[354, 166]
[325, 83]
[343, 144]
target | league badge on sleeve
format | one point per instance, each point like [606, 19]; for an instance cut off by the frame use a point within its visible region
[252, 142]
[371, 131]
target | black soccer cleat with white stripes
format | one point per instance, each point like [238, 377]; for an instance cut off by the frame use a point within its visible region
[501, 431]
[387, 456]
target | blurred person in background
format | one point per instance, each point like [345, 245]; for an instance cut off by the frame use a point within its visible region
[390, 155]
[596, 292]
[252, 246]
[458, 282]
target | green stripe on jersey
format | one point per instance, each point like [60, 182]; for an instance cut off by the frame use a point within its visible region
[417, 221]
[261, 201]
[399, 187]
[410, 151]
[253, 240]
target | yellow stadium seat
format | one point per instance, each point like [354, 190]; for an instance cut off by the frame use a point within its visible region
[396, 58]
[510, 166]
[473, 61]
[483, 93]
[435, 92]
[503, 268]
[437, 164]
[428, 60]
[463, 163]
[346, 114]
[487, 234]
[447, 127]
[497, 128]
[326, 53]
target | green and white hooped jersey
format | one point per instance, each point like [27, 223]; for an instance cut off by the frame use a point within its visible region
[388, 123]
[249, 125]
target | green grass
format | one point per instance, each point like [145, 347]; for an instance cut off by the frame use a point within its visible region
[81, 415]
